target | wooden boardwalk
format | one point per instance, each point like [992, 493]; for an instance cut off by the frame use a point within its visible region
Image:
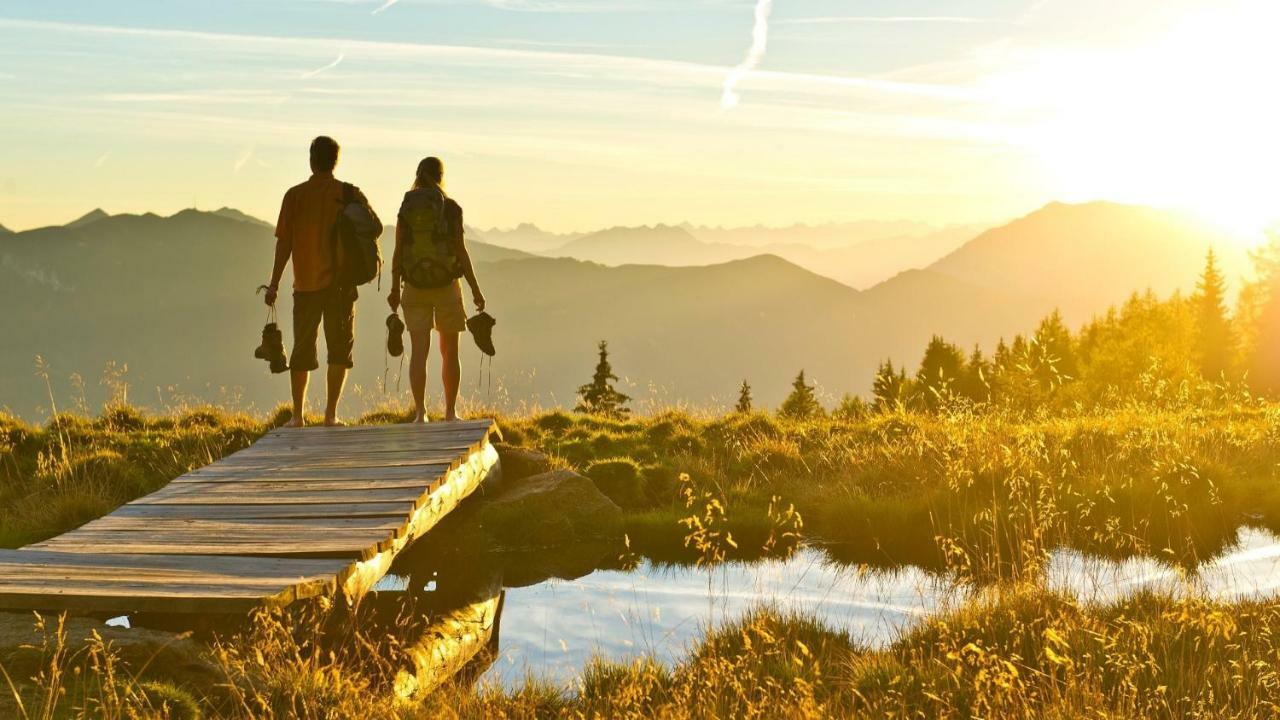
[300, 513]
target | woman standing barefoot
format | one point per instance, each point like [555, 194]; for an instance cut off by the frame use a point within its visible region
[429, 259]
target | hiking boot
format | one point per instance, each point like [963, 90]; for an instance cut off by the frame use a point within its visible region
[395, 335]
[272, 349]
[481, 328]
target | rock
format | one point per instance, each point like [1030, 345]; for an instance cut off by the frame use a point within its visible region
[553, 508]
[519, 463]
[161, 656]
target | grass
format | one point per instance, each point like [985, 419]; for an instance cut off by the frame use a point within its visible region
[981, 495]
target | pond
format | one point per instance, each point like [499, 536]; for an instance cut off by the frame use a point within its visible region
[536, 624]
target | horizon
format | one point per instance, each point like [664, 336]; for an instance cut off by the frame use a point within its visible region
[560, 114]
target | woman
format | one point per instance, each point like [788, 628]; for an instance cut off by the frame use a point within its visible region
[429, 259]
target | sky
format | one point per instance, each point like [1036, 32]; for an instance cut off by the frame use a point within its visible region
[580, 114]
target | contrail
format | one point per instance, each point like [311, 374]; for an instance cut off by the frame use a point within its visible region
[330, 66]
[102, 159]
[243, 159]
[384, 6]
[759, 42]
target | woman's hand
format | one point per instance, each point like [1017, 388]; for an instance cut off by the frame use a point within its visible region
[393, 299]
[478, 298]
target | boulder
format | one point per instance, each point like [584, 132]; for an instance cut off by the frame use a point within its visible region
[26, 644]
[519, 463]
[553, 508]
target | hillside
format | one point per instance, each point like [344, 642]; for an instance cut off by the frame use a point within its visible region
[1083, 258]
[173, 298]
[526, 237]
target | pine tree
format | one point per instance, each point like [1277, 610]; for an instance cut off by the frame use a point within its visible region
[941, 367]
[599, 397]
[975, 382]
[1052, 354]
[744, 405]
[801, 404]
[889, 386]
[1215, 340]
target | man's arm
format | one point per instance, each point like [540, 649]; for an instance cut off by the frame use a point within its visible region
[284, 250]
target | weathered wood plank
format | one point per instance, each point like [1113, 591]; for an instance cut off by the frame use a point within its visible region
[273, 512]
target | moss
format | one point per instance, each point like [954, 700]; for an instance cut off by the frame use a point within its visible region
[621, 479]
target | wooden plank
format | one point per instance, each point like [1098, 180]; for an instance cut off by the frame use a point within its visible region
[280, 511]
[256, 548]
[256, 487]
[28, 560]
[296, 497]
[127, 523]
[424, 472]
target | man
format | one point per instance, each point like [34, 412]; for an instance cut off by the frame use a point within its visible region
[305, 234]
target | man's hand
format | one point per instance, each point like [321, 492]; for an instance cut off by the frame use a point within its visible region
[272, 293]
[393, 299]
[478, 298]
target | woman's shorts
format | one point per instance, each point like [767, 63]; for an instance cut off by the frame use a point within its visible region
[439, 308]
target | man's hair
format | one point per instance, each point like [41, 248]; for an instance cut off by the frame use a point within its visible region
[324, 154]
[430, 170]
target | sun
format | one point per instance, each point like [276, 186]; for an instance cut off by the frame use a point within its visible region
[1189, 119]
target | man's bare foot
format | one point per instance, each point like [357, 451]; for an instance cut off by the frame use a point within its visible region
[295, 422]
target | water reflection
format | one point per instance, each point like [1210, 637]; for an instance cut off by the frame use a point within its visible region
[555, 618]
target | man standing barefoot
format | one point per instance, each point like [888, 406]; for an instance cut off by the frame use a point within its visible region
[305, 234]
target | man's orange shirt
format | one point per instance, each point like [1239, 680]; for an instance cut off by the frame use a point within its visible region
[307, 217]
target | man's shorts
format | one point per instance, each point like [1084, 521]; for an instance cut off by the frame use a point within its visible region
[439, 308]
[337, 308]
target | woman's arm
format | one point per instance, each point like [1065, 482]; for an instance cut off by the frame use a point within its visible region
[396, 271]
[464, 259]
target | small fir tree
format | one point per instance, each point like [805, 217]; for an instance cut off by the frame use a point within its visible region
[599, 397]
[942, 366]
[1215, 340]
[801, 404]
[890, 386]
[744, 405]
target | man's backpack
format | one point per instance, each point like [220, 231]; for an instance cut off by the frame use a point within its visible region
[355, 241]
[432, 225]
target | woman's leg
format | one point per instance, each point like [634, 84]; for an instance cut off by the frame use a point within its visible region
[420, 347]
[450, 373]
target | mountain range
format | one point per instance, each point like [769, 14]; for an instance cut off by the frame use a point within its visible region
[173, 299]
[856, 254]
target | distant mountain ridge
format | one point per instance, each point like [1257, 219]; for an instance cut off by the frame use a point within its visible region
[173, 299]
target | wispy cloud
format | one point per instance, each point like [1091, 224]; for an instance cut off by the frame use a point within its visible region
[336, 61]
[759, 44]
[889, 19]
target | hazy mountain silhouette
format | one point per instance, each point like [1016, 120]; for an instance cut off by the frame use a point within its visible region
[174, 299]
[234, 214]
[858, 265]
[1085, 257]
[90, 217]
[5, 231]
[525, 236]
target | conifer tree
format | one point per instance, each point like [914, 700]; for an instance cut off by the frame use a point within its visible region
[941, 367]
[801, 404]
[890, 386]
[744, 405]
[1052, 353]
[975, 381]
[1215, 340]
[599, 397]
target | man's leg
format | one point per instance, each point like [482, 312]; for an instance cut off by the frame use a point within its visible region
[308, 308]
[337, 380]
[298, 388]
[450, 373]
[420, 348]
[339, 336]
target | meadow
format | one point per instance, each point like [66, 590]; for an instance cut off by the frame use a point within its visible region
[978, 494]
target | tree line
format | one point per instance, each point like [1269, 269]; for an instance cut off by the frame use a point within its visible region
[1146, 347]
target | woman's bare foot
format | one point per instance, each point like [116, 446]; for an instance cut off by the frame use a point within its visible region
[333, 422]
[419, 418]
[452, 418]
[295, 422]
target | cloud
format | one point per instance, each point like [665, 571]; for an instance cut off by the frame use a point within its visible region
[889, 19]
[759, 43]
[330, 66]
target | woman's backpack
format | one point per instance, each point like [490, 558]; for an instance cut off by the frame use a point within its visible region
[429, 252]
[355, 241]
